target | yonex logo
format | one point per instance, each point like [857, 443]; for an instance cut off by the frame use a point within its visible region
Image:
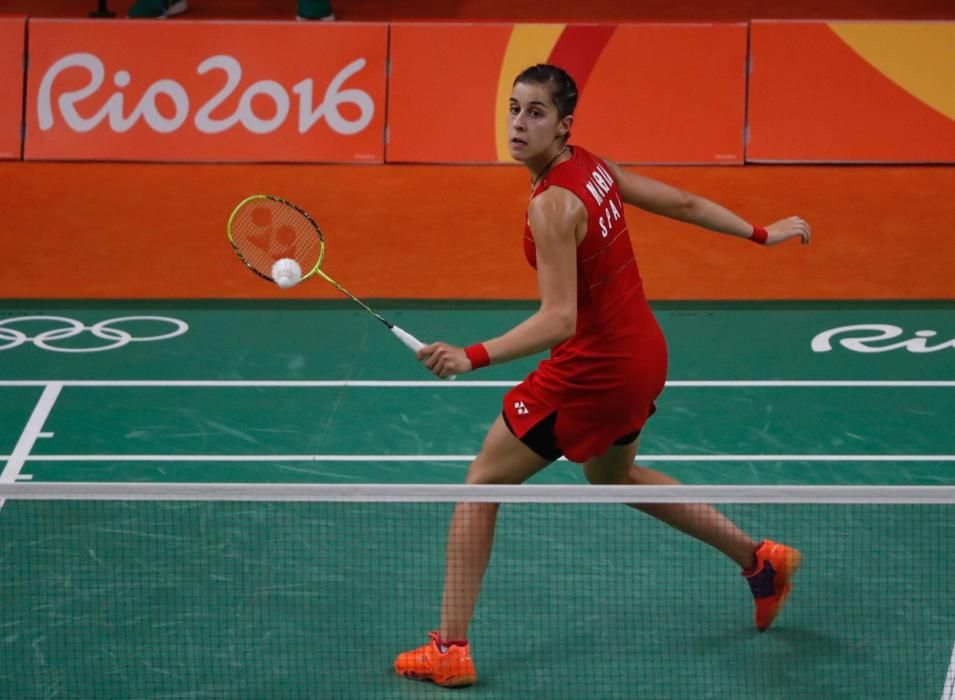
[67, 328]
[521, 408]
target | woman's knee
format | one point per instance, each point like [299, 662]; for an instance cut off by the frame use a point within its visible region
[478, 474]
[490, 470]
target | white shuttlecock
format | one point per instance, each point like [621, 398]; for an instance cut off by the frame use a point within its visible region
[286, 273]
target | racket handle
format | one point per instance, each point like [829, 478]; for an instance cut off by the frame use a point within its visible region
[409, 340]
[413, 344]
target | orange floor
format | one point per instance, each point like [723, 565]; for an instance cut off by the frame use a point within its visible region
[101, 230]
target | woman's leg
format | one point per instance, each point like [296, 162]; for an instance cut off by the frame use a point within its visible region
[704, 522]
[503, 459]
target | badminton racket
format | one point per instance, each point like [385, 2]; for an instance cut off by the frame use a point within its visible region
[264, 229]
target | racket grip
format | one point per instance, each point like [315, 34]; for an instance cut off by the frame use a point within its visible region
[413, 344]
[409, 340]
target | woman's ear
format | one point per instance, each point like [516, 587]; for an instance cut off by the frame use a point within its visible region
[565, 124]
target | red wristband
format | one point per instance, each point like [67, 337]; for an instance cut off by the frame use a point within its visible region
[477, 353]
[759, 235]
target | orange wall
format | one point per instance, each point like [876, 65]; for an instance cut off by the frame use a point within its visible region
[156, 230]
[852, 92]
[12, 41]
[222, 92]
[650, 93]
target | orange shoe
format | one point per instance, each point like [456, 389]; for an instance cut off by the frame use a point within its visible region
[428, 663]
[770, 580]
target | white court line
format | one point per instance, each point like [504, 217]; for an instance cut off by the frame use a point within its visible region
[461, 384]
[948, 692]
[31, 432]
[469, 458]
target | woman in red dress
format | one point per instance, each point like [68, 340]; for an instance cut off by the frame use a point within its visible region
[590, 399]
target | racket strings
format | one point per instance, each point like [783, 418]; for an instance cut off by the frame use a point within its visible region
[265, 230]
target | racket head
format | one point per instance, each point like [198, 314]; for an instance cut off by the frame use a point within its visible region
[264, 228]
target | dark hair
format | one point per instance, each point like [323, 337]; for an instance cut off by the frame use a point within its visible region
[563, 89]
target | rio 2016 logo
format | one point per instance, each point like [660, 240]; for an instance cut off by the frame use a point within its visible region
[120, 120]
[867, 338]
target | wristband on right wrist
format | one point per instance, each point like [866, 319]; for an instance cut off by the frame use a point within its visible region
[759, 235]
[478, 356]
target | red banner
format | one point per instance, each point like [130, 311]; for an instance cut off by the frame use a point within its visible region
[650, 93]
[12, 37]
[852, 92]
[206, 91]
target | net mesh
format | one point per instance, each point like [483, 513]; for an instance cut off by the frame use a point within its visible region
[265, 230]
[307, 592]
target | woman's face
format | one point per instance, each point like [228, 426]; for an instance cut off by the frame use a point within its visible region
[533, 124]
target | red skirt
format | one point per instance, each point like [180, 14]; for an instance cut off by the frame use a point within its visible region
[598, 398]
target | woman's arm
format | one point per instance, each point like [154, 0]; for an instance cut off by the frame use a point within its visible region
[555, 217]
[673, 203]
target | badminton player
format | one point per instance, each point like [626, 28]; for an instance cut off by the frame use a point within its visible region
[608, 361]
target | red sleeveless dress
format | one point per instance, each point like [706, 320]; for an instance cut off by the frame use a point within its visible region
[602, 381]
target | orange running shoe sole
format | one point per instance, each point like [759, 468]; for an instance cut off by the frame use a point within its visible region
[452, 669]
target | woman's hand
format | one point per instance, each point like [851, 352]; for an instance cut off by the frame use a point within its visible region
[785, 229]
[444, 360]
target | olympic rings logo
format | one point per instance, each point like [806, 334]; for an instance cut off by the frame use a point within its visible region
[109, 331]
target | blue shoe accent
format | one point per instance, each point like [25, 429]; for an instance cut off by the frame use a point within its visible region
[762, 583]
